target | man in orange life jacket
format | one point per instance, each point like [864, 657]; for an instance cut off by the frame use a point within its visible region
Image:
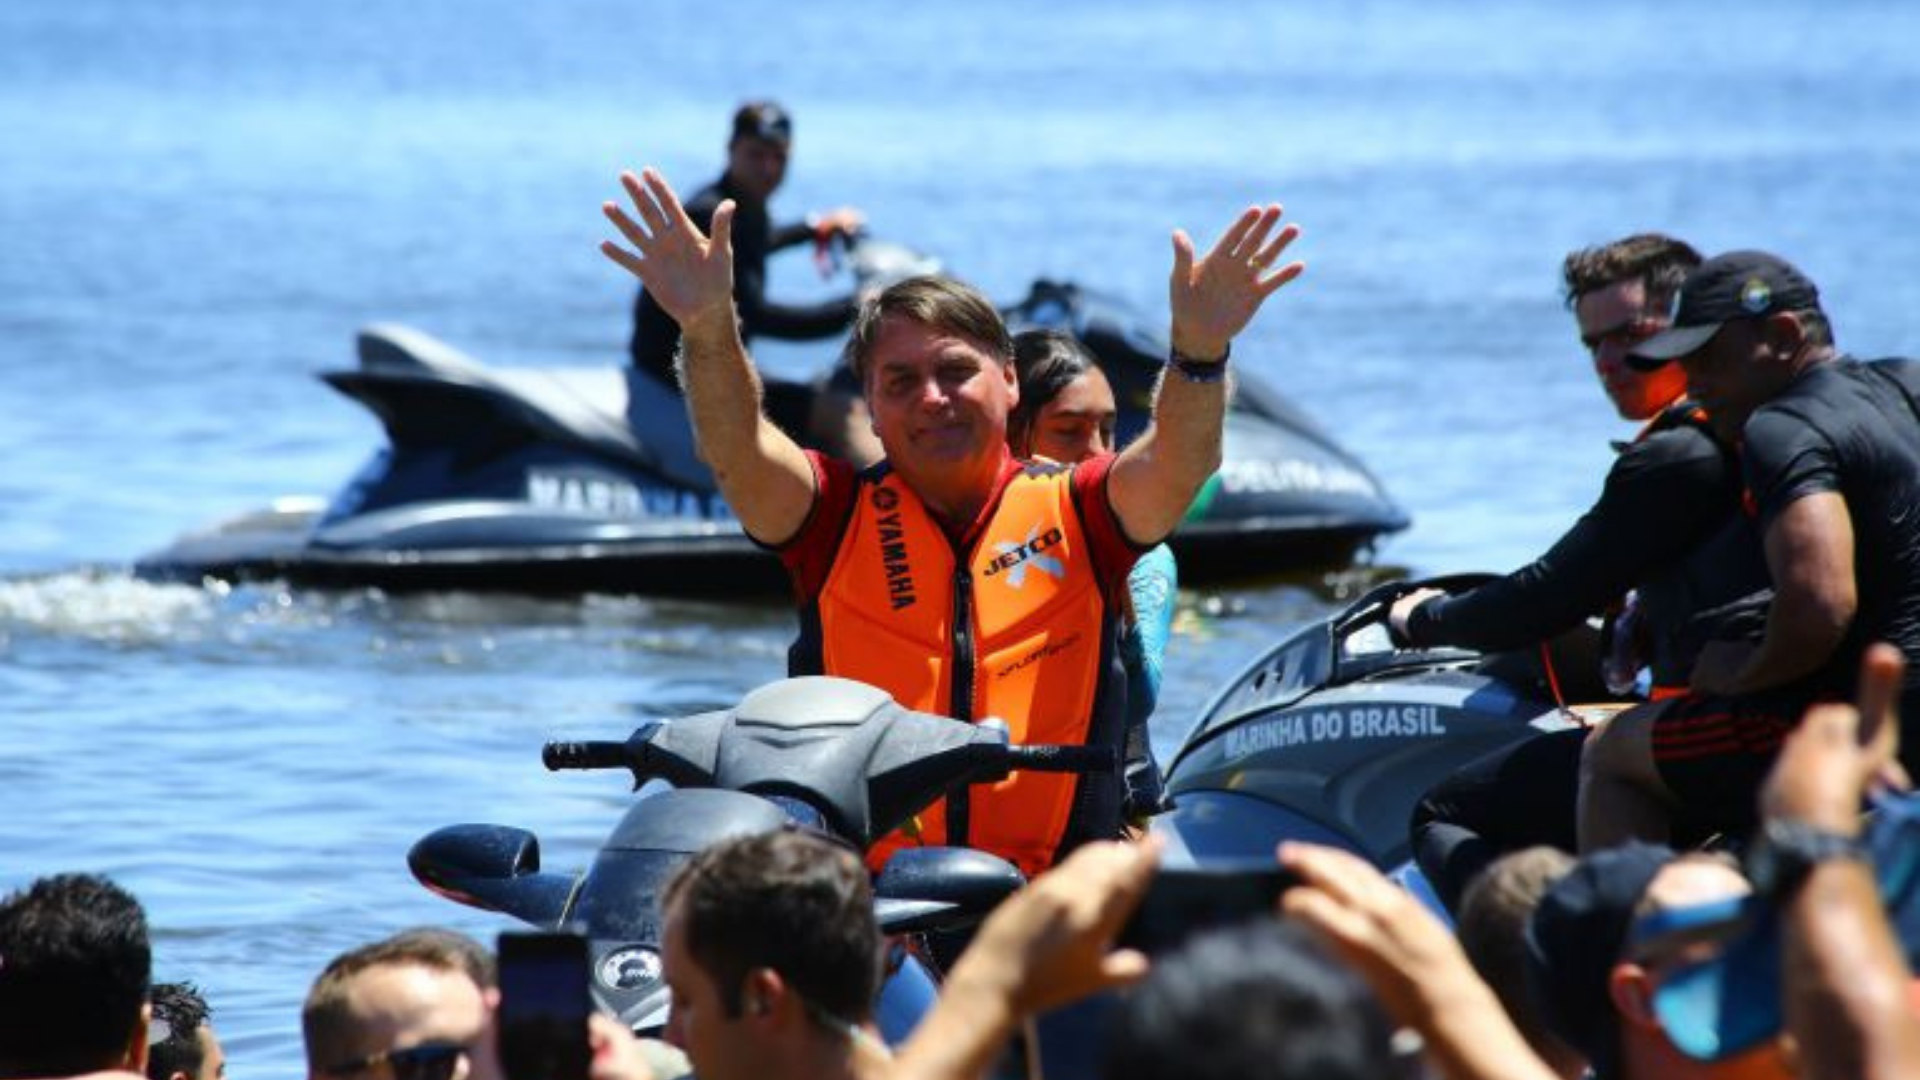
[958, 579]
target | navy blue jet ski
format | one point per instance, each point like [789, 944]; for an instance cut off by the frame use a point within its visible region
[1333, 735]
[563, 480]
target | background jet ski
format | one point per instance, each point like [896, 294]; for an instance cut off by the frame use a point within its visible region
[563, 480]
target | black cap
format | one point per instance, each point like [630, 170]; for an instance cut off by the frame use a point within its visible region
[763, 120]
[1575, 938]
[1737, 285]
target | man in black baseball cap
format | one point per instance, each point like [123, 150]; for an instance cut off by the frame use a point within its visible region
[1830, 454]
[1737, 285]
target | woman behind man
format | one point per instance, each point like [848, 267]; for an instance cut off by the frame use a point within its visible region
[1066, 413]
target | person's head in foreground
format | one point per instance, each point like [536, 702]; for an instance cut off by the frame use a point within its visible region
[74, 969]
[414, 1006]
[1494, 912]
[1262, 1001]
[1596, 983]
[181, 1044]
[772, 956]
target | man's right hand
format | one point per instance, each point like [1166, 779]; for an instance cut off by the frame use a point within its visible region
[689, 275]
[1402, 610]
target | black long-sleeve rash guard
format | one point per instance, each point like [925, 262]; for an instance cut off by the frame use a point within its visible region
[1668, 493]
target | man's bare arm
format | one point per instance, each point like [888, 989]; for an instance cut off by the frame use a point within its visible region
[1213, 298]
[1843, 977]
[1809, 549]
[763, 474]
[1414, 964]
[1049, 944]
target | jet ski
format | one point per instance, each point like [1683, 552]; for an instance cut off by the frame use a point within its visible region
[1333, 735]
[563, 480]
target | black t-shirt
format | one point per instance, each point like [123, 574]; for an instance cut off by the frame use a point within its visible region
[656, 335]
[1668, 522]
[1853, 429]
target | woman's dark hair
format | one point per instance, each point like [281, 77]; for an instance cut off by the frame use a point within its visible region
[1047, 361]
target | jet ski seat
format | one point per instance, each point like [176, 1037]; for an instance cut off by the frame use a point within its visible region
[602, 408]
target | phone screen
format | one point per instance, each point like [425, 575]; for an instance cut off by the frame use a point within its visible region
[544, 1002]
[1184, 900]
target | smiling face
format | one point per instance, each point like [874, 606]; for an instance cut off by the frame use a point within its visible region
[940, 405]
[1613, 320]
[1077, 423]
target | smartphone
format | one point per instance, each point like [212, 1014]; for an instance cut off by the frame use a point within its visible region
[544, 1003]
[1183, 900]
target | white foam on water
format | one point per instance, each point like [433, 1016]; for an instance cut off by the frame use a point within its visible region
[105, 605]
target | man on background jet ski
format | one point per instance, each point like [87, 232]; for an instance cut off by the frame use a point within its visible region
[1667, 525]
[952, 575]
[757, 157]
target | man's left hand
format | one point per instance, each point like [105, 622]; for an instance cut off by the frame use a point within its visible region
[840, 221]
[1214, 297]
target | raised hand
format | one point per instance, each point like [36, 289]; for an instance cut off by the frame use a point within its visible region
[688, 274]
[1052, 942]
[1213, 298]
[1404, 953]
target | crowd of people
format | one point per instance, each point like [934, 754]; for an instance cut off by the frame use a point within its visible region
[1755, 549]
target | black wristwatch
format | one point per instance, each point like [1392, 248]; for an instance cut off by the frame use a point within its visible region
[1785, 851]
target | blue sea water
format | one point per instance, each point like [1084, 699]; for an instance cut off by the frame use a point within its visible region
[201, 200]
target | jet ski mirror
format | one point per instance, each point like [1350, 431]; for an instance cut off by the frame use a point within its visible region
[933, 888]
[492, 867]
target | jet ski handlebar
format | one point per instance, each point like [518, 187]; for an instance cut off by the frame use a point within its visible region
[1002, 757]
[1058, 759]
[584, 755]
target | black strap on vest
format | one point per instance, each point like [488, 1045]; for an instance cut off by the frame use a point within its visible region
[959, 817]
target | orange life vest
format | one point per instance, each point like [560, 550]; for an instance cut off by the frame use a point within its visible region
[1017, 627]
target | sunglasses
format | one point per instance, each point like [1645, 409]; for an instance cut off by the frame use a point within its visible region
[428, 1061]
[1626, 335]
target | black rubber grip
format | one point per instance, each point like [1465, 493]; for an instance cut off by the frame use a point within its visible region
[584, 755]
[1065, 759]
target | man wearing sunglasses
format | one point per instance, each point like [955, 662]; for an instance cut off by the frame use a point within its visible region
[419, 1006]
[414, 1006]
[1830, 452]
[1667, 525]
